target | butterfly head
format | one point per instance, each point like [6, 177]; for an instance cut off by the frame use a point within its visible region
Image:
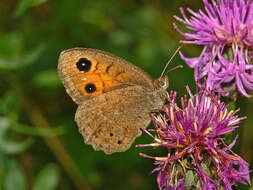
[162, 83]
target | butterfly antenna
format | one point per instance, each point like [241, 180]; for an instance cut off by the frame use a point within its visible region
[175, 53]
[174, 68]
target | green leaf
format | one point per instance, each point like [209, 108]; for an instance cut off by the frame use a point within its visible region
[120, 38]
[30, 130]
[26, 4]
[9, 104]
[23, 5]
[11, 43]
[20, 62]
[38, 2]
[47, 79]
[14, 177]
[48, 178]
[8, 145]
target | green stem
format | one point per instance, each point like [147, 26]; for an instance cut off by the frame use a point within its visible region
[246, 133]
[55, 145]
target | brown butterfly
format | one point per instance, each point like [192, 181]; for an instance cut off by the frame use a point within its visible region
[114, 97]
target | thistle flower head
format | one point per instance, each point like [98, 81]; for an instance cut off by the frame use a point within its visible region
[198, 157]
[225, 30]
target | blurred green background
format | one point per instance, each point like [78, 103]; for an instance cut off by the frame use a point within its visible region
[40, 146]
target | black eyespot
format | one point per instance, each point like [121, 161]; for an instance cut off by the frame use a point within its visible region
[111, 134]
[90, 88]
[119, 142]
[83, 64]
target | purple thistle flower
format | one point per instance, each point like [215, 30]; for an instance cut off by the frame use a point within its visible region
[225, 30]
[198, 157]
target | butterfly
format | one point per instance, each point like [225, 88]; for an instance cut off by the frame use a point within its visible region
[114, 97]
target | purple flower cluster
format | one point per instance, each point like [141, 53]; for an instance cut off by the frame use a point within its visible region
[192, 135]
[225, 30]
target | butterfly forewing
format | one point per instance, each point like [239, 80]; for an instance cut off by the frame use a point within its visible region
[87, 73]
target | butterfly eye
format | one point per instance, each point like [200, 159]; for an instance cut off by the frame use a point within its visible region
[90, 88]
[161, 83]
[83, 64]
